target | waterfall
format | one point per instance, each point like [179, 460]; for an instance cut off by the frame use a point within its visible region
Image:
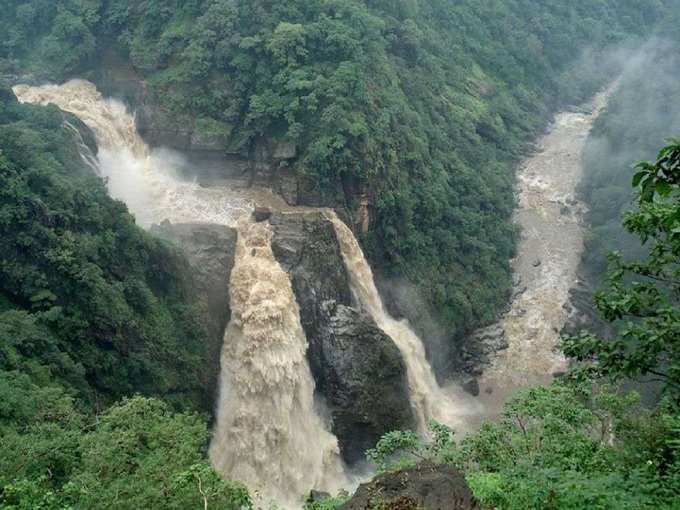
[148, 181]
[268, 433]
[428, 399]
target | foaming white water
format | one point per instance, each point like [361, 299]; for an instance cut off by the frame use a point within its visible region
[428, 399]
[268, 433]
[147, 181]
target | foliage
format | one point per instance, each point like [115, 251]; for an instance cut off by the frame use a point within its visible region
[423, 106]
[328, 503]
[138, 454]
[89, 299]
[401, 449]
[643, 293]
[566, 447]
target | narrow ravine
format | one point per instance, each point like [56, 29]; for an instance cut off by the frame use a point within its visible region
[551, 218]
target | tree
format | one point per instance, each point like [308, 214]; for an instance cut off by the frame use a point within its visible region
[644, 294]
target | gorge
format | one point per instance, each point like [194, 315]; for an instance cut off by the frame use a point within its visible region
[265, 372]
[339, 254]
[266, 414]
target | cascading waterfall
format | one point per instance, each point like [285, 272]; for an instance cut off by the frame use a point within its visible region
[147, 181]
[268, 433]
[428, 399]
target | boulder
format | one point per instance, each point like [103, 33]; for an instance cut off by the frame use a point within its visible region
[357, 368]
[426, 486]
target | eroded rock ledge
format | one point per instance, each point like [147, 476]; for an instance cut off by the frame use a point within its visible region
[358, 369]
[426, 486]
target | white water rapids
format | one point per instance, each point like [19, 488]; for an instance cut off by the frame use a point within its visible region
[549, 253]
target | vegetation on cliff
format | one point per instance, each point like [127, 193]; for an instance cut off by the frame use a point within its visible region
[92, 309]
[582, 443]
[424, 106]
[87, 299]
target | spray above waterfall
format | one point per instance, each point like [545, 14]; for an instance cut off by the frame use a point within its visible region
[148, 181]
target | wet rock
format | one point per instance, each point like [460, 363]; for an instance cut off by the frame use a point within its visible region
[284, 150]
[261, 214]
[520, 291]
[362, 374]
[356, 366]
[482, 348]
[427, 486]
[315, 496]
[471, 385]
[210, 250]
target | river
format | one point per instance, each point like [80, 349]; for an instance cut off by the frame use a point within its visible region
[551, 218]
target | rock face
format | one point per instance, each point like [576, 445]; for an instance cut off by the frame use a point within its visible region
[424, 487]
[210, 145]
[210, 250]
[358, 369]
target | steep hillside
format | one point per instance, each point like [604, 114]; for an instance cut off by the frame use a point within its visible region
[87, 299]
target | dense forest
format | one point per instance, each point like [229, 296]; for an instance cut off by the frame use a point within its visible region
[424, 106]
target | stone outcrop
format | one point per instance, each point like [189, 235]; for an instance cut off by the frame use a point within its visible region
[357, 368]
[425, 487]
[210, 250]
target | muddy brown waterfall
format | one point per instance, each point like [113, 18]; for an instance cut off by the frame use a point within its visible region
[428, 399]
[267, 433]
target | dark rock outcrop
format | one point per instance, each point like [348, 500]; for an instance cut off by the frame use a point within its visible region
[210, 250]
[362, 374]
[425, 487]
[356, 366]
